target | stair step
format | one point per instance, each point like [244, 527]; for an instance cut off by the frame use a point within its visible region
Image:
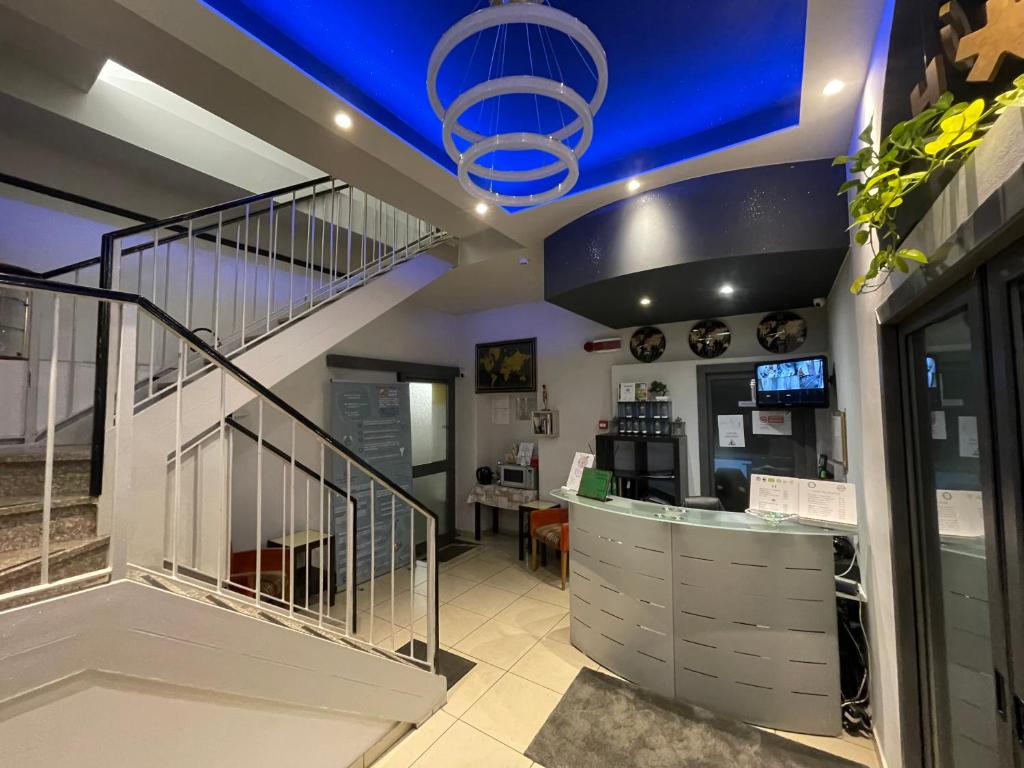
[23, 470]
[54, 590]
[21, 521]
[20, 569]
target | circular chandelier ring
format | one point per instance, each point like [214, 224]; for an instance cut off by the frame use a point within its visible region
[519, 142]
[519, 84]
[518, 13]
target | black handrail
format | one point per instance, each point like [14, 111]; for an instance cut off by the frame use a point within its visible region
[182, 217]
[234, 424]
[108, 295]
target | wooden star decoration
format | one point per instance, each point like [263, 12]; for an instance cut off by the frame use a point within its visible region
[1003, 34]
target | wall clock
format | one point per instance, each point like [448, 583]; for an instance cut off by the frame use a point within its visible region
[647, 344]
[710, 338]
[782, 332]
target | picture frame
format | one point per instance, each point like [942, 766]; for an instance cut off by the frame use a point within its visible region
[506, 366]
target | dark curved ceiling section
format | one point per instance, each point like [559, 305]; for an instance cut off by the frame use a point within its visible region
[776, 234]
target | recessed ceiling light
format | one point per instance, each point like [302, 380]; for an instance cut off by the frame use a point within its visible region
[645, 301]
[727, 290]
[633, 185]
[832, 87]
[343, 120]
[481, 208]
[523, 261]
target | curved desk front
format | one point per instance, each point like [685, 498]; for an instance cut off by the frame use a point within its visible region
[720, 609]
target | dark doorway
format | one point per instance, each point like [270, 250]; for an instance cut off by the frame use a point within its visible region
[725, 390]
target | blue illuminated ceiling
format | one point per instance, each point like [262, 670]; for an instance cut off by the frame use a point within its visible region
[686, 77]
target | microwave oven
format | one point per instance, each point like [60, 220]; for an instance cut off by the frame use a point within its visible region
[516, 476]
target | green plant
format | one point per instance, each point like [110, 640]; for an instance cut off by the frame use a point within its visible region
[907, 158]
[658, 389]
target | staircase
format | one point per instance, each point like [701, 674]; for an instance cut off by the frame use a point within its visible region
[125, 501]
[74, 546]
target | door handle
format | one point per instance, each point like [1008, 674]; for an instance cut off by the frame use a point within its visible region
[1000, 693]
[1018, 719]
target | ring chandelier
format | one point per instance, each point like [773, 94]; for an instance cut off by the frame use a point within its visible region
[555, 144]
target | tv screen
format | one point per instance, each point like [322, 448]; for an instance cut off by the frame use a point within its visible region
[792, 383]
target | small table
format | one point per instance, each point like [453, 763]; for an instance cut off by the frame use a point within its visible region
[524, 521]
[301, 541]
[497, 497]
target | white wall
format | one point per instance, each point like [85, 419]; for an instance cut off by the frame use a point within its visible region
[581, 385]
[854, 344]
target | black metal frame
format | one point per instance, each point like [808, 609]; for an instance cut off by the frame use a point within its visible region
[706, 430]
[507, 391]
[915, 528]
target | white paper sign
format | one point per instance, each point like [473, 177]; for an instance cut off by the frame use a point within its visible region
[772, 422]
[730, 431]
[828, 502]
[500, 409]
[938, 425]
[968, 428]
[580, 462]
[960, 513]
[769, 493]
[525, 454]
[627, 392]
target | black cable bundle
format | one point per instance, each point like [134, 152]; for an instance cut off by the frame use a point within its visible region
[853, 662]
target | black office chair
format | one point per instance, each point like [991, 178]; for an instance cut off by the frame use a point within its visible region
[703, 502]
[733, 488]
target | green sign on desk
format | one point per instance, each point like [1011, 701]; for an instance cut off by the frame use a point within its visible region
[595, 484]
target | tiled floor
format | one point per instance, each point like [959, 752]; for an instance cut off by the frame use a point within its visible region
[514, 624]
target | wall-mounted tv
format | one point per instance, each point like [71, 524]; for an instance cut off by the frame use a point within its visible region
[793, 383]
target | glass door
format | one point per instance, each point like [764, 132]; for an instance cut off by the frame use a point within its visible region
[433, 471]
[957, 539]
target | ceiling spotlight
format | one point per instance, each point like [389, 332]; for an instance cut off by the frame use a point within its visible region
[832, 87]
[645, 301]
[633, 185]
[343, 121]
[481, 208]
[727, 290]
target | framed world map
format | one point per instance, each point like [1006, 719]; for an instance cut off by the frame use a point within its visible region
[506, 366]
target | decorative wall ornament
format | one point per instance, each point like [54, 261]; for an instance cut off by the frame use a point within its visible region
[547, 140]
[506, 366]
[710, 338]
[782, 332]
[647, 344]
[1002, 35]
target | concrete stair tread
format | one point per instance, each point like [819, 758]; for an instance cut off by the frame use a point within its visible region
[17, 505]
[18, 558]
[37, 452]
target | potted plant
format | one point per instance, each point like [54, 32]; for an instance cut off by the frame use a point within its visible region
[924, 151]
[658, 390]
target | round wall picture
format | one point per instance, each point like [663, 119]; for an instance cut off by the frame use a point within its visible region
[782, 332]
[647, 344]
[710, 338]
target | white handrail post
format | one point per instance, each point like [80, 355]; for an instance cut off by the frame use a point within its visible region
[124, 418]
[350, 551]
[51, 420]
[431, 591]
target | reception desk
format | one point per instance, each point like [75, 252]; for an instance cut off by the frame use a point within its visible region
[720, 609]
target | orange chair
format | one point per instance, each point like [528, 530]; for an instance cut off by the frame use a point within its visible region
[275, 573]
[551, 528]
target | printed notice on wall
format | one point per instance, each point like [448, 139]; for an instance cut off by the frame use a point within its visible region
[730, 431]
[938, 425]
[771, 422]
[968, 428]
[960, 514]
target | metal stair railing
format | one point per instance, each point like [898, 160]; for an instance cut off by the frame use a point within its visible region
[299, 485]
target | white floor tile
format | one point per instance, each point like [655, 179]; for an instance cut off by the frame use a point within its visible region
[449, 587]
[837, 746]
[515, 578]
[560, 632]
[471, 687]
[453, 622]
[463, 746]
[533, 616]
[498, 644]
[512, 711]
[418, 741]
[478, 568]
[485, 600]
[382, 611]
[552, 664]
[551, 593]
